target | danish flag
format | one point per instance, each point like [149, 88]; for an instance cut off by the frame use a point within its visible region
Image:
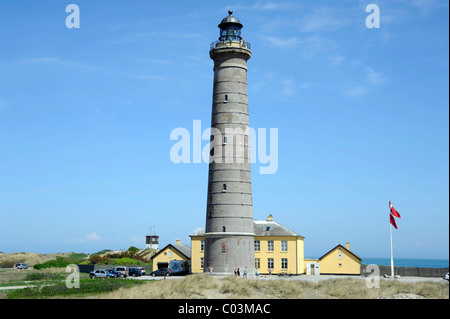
[392, 214]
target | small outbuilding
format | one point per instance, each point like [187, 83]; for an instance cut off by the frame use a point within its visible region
[171, 252]
[339, 261]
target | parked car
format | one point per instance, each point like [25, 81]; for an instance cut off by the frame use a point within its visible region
[161, 272]
[21, 266]
[122, 270]
[445, 276]
[114, 272]
[101, 273]
[135, 272]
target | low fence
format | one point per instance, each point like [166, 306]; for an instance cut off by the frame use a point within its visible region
[408, 271]
[89, 268]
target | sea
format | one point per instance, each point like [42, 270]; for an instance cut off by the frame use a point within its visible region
[407, 262]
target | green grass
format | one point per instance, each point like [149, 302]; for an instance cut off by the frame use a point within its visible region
[44, 276]
[87, 287]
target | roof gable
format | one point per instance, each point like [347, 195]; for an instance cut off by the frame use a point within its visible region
[182, 249]
[272, 228]
[345, 249]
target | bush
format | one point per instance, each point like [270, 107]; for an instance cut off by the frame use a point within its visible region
[61, 262]
[133, 249]
[126, 261]
[97, 259]
[122, 258]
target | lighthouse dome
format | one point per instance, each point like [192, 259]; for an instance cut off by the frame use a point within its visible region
[230, 20]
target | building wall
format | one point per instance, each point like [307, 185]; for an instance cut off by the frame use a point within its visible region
[300, 255]
[332, 263]
[196, 254]
[294, 254]
[166, 255]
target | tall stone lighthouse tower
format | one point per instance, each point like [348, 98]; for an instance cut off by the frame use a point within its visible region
[229, 233]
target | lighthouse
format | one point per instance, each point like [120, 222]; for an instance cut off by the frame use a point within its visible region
[229, 232]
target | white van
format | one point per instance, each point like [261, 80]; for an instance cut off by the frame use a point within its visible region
[122, 270]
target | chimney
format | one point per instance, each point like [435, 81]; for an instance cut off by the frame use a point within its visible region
[347, 246]
[270, 218]
[178, 242]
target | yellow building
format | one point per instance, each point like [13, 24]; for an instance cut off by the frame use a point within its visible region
[171, 252]
[339, 260]
[277, 249]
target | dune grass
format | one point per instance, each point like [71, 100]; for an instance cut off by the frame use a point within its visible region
[205, 287]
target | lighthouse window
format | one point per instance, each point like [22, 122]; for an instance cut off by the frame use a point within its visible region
[226, 98]
[224, 187]
[224, 229]
[231, 33]
[224, 140]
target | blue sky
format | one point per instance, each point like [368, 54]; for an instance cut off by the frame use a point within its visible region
[86, 115]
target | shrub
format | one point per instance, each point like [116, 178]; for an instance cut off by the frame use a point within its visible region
[96, 259]
[126, 261]
[61, 262]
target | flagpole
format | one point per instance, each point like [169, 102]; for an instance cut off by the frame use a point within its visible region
[392, 255]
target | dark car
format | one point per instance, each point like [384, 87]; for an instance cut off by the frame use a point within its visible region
[112, 271]
[135, 272]
[162, 272]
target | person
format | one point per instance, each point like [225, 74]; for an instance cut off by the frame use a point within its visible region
[210, 270]
[245, 272]
[238, 272]
[257, 273]
[235, 272]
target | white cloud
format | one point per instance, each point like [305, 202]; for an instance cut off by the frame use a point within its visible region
[304, 85]
[283, 43]
[89, 237]
[374, 77]
[337, 60]
[288, 87]
[197, 230]
[323, 19]
[92, 237]
[427, 6]
[355, 91]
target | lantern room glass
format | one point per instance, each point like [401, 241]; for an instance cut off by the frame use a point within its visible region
[232, 32]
